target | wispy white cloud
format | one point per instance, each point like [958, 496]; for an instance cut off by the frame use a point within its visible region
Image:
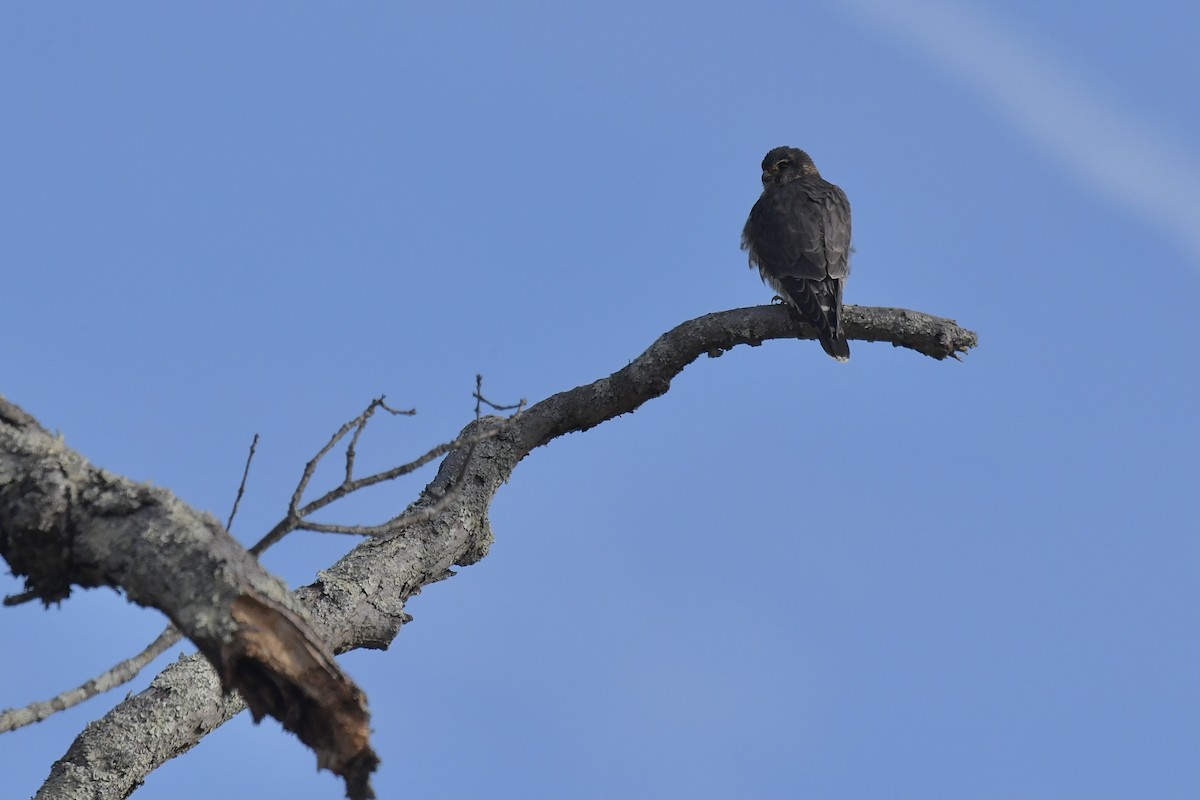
[1118, 154]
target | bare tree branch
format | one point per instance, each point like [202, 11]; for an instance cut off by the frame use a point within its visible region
[649, 375]
[359, 601]
[64, 522]
[128, 669]
[123, 672]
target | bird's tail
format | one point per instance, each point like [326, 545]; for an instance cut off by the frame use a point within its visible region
[820, 305]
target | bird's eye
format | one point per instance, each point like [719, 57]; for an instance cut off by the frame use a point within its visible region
[784, 164]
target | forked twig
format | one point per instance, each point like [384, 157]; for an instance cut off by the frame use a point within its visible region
[357, 424]
[479, 398]
[297, 516]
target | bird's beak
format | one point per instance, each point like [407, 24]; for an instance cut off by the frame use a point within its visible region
[766, 176]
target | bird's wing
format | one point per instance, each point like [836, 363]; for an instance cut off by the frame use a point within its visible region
[801, 230]
[836, 226]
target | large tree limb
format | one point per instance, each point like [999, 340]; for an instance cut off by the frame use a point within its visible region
[359, 601]
[64, 522]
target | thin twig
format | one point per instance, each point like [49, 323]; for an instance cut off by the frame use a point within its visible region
[297, 518]
[358, 423]
[350, 449]
[242, 486]
[480, 399]
[14, 718]
[395, 523]
[311, 466]
[403, 469]
[296, 513]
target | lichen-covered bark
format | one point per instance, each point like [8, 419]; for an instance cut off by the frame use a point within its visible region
[65, 522]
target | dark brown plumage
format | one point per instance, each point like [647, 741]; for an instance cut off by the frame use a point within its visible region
[798, 235]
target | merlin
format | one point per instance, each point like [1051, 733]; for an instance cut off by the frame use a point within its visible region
[798, 235]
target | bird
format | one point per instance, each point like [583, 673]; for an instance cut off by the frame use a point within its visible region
[798, 235]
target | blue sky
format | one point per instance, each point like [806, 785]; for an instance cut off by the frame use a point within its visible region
[893, 578]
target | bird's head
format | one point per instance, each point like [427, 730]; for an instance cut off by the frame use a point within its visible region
[786, 164]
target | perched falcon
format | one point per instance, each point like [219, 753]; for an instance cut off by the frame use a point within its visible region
[798, 235]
